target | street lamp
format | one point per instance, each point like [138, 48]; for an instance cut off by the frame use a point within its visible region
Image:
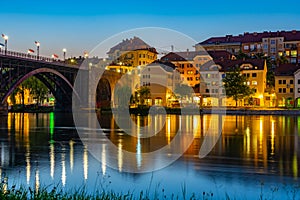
[64, 51]
[37, 49]
[5, 37]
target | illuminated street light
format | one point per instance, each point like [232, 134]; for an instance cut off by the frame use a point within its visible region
[64, 51]
[37, 49]
[5, 37]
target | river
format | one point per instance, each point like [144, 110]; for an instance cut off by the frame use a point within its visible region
[254, 155]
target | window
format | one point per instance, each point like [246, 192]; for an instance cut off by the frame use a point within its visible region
[298, 90]
[287, 53]
[254, 82]
[246, 47]
[207, 75]
[265, 46]
[206, 90]
[283, 90]
[273, 41]
[291, 90]
[280, 90]
[255, 90]
[298, 81]
[273, 50]
[283, 81]
[252, 47]
[291, 81]
[254, 75]
[294, 53]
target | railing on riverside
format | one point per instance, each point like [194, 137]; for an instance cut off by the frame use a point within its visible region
[34, 57]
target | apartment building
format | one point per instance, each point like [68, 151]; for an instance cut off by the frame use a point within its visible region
[286, 84]
[273, 44]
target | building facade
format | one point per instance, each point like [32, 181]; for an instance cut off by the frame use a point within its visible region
[273, 44]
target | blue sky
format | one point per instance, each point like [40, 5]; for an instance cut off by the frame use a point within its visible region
[80, 25]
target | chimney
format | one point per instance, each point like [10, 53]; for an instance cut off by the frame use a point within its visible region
[255, 33]
[187, 52]
[294, 31]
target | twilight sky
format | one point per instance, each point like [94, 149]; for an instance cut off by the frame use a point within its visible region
[81, 25]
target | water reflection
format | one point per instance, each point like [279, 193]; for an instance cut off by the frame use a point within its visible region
[249, 144]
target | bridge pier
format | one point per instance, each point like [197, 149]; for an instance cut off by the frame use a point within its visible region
[3, 109]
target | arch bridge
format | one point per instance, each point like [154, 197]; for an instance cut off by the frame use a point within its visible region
[58, 76]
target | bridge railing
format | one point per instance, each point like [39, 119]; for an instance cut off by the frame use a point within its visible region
[32, 57]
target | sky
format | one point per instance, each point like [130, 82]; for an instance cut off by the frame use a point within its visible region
[80, 26]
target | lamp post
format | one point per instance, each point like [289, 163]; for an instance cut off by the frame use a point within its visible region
[37, 49]
[5, 37]
[64, 52]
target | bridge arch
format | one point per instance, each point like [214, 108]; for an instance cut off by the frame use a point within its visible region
[39, 71]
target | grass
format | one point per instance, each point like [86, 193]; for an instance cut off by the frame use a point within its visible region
[14, 192]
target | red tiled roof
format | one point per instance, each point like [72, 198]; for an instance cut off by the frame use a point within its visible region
[287, 69]
[227, 65]
[190, 55]
[253, 37]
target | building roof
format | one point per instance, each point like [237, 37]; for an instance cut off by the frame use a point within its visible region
[130, 45]
[228, 65]
[190, 55]
[252, 37]
[167, 66]
[286, 69]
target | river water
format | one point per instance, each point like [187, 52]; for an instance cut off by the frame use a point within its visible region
[254, 156]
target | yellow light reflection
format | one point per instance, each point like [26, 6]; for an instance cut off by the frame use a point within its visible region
[71, 143]
[169, 129]
[295, 166]
[120, 156]
[138, 145]
[52, 160]
[37, 180]
[272, 137]
[260, 135]
[248, 141]
[85, 163]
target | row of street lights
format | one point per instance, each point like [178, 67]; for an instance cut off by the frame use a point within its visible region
[5, 37]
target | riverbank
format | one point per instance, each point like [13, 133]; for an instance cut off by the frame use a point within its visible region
[211, 110]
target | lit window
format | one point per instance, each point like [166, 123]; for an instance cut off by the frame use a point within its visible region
[280, 53]
[287, 53]
[294, 53]
[254, 82]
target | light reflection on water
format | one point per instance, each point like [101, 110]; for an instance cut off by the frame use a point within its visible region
[42, 150]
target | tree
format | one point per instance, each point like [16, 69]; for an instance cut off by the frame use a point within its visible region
[37, 89]
[143, 93]
[235, 85]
